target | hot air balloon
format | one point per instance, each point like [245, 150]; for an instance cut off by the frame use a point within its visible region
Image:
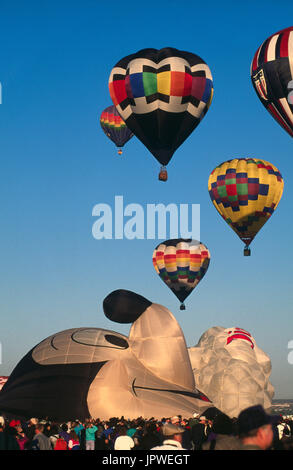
[162, 95]
[115, 128]
[92, 372]
[181, 264]
[246, 192]
[229, 366]
[271, 74]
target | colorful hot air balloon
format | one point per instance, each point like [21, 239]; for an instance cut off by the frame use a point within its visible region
[162, 95]
[246, 192]
[271, 74]
[181, 264]
[115, 128]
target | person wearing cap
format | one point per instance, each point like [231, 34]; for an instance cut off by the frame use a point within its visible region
[172, 435]
[255, 428]
[222, 436]
[200, 432]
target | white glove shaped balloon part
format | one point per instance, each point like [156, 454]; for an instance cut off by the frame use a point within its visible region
[232, 370]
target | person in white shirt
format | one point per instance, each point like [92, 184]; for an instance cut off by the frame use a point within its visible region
[172, 437]
[123, 442]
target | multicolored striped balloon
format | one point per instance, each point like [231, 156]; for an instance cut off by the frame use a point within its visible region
[272, 76]
[246, 192]
[114, 127]
[181, 264]
[162, 95]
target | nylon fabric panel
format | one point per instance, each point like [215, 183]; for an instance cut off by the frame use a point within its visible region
[155, 335]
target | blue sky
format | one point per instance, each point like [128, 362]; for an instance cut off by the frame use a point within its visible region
[56, 164]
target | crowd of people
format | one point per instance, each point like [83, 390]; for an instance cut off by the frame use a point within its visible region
[254, 429]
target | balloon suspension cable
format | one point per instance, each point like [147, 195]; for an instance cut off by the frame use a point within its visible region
[247, 251]
[163, 175]
[182, 306]
[119, 152]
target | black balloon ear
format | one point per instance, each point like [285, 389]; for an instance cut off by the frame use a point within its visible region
[124, 306]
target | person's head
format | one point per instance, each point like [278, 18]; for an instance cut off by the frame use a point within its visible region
[18, 428]
[175, 420]
[39, 428]
[73, 435]
[254, 427]
[172, 431]
[222, 424]
[54, 429]
[64, 427]
[33, 421]
[122, 430]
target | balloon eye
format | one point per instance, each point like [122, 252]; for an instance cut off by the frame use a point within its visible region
[122, 343]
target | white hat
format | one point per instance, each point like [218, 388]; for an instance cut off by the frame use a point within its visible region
[175, 419]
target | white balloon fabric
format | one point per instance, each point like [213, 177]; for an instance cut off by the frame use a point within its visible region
[232, 370]
[92, 372]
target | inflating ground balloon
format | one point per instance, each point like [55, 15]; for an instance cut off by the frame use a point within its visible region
[232, 370]
[98, 373]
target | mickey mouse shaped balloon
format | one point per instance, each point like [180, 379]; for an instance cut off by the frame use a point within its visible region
[98, 373]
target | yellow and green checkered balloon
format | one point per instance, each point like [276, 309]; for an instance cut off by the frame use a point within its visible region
[246, 192]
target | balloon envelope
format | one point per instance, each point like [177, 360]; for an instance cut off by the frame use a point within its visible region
[230, 367]
[162, 95]
[93, 372]
[181, 264]
[271, 73]
[114, 127]
[246, 192]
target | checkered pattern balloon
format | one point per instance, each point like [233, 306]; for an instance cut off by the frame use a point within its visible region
[246, 192]
[162, 95]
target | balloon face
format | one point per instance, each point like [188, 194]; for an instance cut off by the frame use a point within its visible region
[162, 95]
[271, 73]
[246, 192]
[181, 264]
[114, 127]
[230, 367]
